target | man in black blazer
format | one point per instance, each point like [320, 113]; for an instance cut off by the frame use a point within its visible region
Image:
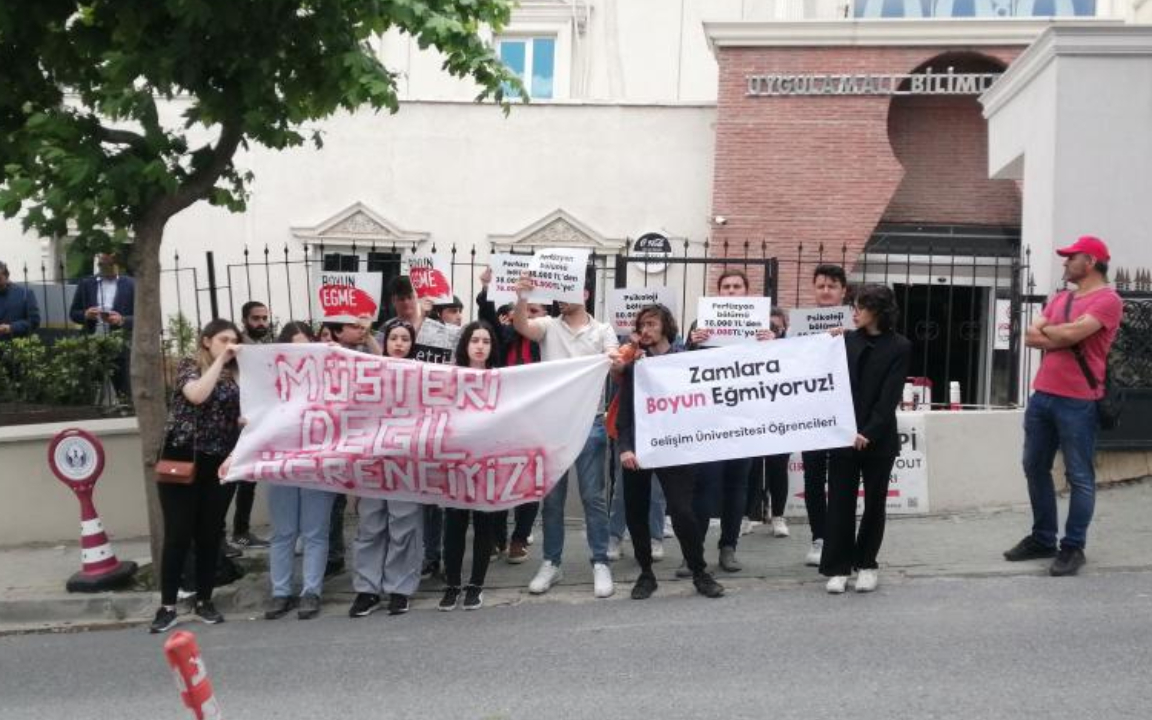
[105, 301]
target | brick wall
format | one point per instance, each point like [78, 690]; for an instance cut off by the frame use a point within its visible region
[813, 170]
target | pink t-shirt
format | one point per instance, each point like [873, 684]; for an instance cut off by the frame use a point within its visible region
[1060, 373]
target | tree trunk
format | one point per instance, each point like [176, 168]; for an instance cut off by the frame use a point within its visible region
[149, 394]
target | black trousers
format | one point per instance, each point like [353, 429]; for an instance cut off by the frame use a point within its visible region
[245, 499]
[455, 535]
[678, 482]
[845, 549]
[524, 516]
[336, 529]
[193, 518]
[768, 488]
[815, 500]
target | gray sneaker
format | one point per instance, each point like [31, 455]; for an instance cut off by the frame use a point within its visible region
[309, 606]
[683, 572]
[728, 560]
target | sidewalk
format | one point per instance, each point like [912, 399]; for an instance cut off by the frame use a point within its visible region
[32, 596]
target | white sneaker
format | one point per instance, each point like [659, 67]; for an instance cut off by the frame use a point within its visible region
[602, 585]
[814, 553]
[657, 550]
[547, 576]
[668, 531]
[531, 539]
[837, 584]
[867, 580]
[745, 526]
[779, 527]
[613, 548]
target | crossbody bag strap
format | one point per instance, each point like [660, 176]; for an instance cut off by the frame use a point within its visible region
[1093, 383]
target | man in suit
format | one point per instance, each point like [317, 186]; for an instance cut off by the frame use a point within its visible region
[19, 311]
[104, 303]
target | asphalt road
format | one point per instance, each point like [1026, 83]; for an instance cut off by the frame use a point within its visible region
[1021, 647]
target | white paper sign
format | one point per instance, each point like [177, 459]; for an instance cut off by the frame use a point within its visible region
[1003, 325]
[506, 270]
[430, 277]
[908, 487]
[436, 342]
[733, 320]
[558, 274]
[744, 401]
[624, 303]
[812, 321]
[345, 297]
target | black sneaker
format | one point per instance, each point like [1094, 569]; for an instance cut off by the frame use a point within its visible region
[473, 597]
[397, 604]
[164, 621]
[278, 607]
[450, 600]
[364, 605]
[232, 551]
[334, 567]
[1029, 549]
[1068, 562]
[309, 606]
[207, 612]
[707, 586]
[247, 540]
[644, 587]
[430, 569]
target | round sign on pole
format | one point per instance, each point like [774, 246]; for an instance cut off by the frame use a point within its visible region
[655, 248]
[76, 457]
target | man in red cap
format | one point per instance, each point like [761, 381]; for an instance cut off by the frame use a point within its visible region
[1075, 331]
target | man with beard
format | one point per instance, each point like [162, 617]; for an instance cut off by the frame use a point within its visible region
[1075, 331]
[656, 329]
[256, 321]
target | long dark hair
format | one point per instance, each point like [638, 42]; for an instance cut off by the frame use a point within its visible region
[394, 324]
[211, 330]
[294, 328]
[881, 302]
[470, 329]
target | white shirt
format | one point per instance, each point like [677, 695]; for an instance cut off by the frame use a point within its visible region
[106, 293]
[561, 342]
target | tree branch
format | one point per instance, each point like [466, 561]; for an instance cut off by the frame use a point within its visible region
[121, 137]
[201, 181]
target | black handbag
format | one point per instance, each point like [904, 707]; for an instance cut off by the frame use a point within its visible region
[1110, 406]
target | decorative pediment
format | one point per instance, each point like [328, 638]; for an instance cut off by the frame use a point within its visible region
[558, 229]
[357, 224]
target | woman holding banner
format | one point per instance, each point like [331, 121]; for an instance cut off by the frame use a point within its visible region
[476, 350]
[389, 545]
[297, 512]
[204, 423]
[878, 360]
[656, 329]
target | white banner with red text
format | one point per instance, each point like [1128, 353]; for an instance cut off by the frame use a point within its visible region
[743, 401]
[328, 418]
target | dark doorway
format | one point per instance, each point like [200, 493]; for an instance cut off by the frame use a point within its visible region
[945, 325]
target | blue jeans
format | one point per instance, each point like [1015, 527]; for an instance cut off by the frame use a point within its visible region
[1050, 423]
[722, 491]
[617, 522]
[307, 513]
[590, 474]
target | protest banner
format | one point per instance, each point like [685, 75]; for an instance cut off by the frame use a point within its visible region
[345, 297]
[506, 270]
[328, 418]
[558, 274]
[733, 320]
[812, 321]
[624, 303]
[908, 487]
[436, 342]
[430, 277]
[751, 400]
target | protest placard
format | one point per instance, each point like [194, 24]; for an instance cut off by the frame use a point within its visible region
[558, 274]
[329, 418]
[344, 297]
[430, 277]
[812, 321]
[436, 342]
[624, 303]
[743, 401]
[908, 487]
[733, 320]
[506, 270]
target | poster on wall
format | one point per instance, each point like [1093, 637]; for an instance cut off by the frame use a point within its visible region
[908, 487]
[733, 320]
[345, 297]
[624, 303]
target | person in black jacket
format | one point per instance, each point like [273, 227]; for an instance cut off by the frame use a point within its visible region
[656, 329]
[877, 365]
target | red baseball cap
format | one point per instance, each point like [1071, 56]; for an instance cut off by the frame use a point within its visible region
[1089, 245]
